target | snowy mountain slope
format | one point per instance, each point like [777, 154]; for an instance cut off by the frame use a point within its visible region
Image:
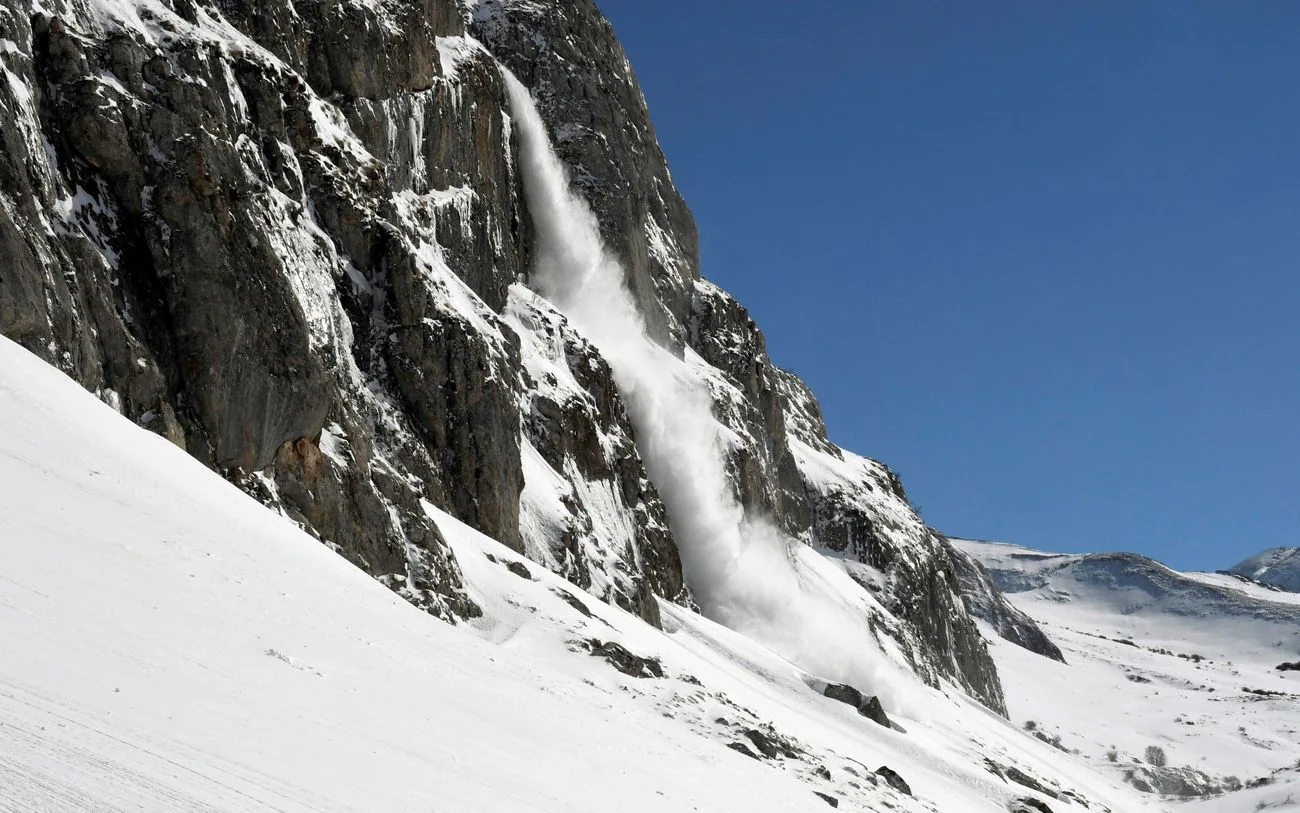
[1279, 567]
[1184, 662]
[170, 644]
[1153, 597]
[296, 240]
[1246, 586]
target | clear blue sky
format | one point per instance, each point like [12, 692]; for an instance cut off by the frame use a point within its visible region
[1041, 258]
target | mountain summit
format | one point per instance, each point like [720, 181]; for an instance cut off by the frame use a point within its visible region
[1279, 567]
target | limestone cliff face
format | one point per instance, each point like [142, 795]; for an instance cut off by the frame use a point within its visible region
[291, 237]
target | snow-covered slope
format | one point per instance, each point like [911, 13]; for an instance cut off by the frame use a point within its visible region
[172, 645]
[1279, 567]
[1183, 662]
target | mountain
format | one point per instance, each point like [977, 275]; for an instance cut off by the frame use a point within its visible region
[340, 254]
[415, 279]
[1279, 567]
[170, 644]
[1184, 662]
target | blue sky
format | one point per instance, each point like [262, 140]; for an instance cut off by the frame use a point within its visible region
[1040, 258]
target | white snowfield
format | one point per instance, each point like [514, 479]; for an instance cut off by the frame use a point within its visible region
[167, 644]
[1186, 662]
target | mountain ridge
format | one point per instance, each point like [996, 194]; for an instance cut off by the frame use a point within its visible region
[296, 242]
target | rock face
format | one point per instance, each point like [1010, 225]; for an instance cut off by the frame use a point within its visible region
[292, 239]
[984, 600]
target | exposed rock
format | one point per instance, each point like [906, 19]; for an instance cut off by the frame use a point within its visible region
[984, 600]
[1021, 778]
[742, 748]
[1028, 804]
[292, 239]
[624, 661]
[293, 262]
[609, 525]
[868, 707]
[1167, 780]
[827, 798]
[875, 712]
[520, 570]
[892, 779]
[573, 601]
[565, 51]
[771, 745]
[861, 514]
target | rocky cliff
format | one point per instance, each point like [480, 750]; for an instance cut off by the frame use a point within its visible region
[291, 237]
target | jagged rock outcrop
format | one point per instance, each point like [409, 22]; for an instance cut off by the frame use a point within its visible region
[291, 237]
[861, 515]
[568, 54]
[984, 600]
[292, 256]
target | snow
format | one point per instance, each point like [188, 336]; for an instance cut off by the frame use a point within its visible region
[454, 51]
[742, 570]
[1276, 566]
[171, 644]
[1154, 657]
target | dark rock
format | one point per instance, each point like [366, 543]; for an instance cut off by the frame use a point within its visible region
[856, 516]
[241, 278]
[297, 259]
[520, 570]
[874, 711]
[1021, 778]
[564, 50]
[1289, 667]
[742, 748]
[986, 601]
[573, 601]
[844, 694]
[1028, 804]
[771, 745]
[827, 798]
[891, 778]
[868, 707]
[624, 661]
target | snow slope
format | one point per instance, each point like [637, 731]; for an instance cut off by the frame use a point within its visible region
[169, 644]
[1155, 658]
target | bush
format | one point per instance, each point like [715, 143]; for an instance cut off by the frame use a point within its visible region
[1155, 755]
[1030, 725]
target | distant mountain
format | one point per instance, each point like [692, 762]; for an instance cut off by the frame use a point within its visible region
[1148, 593]
[1279, 567]
[1172, 682]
